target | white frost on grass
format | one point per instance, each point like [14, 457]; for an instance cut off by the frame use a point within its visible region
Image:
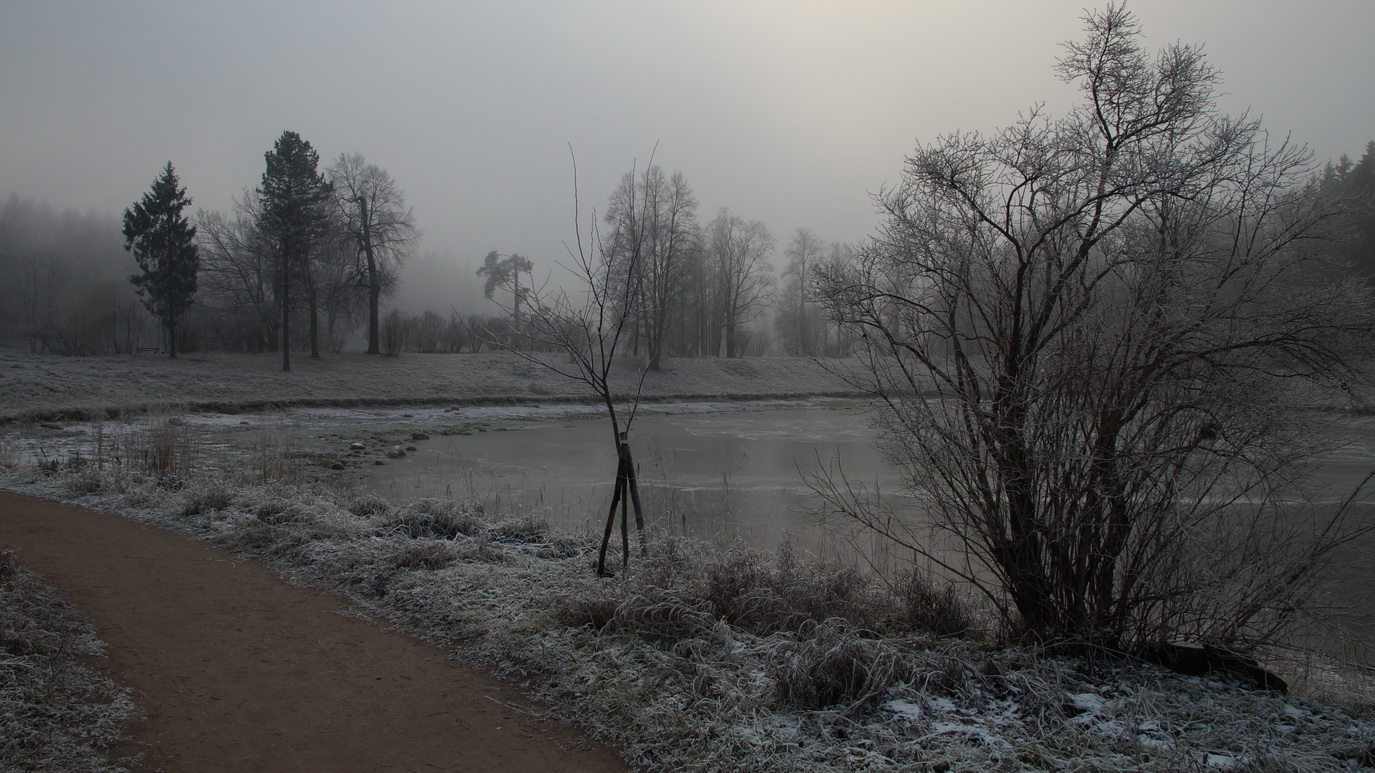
[53, 385]
[680, 688]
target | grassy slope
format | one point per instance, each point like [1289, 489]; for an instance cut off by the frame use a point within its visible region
[42, 386]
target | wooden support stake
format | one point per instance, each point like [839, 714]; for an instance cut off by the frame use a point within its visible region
[610, 520]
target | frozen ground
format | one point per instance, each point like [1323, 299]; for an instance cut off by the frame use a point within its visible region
[41, 386]
[744, 662]
[644, 659]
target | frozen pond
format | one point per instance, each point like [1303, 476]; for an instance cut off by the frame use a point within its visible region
[723, 475]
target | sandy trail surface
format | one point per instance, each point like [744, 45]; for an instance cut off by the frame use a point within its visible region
[239, 670]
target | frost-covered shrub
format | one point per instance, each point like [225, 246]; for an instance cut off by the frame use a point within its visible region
[207, 499]
[424, 555]
[658, 615]
[368, 504]
[830, 665]
[532, 531]
[85, 481]
[593, 610]
[167, 448]
[764, 593]
[435, 519]
[522, 529]
[927, 607]
[278, 512]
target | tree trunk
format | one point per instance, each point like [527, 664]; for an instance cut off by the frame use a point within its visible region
[314, 328]
[374, 281]
[515, 309]
[374, 316]
[286, 308]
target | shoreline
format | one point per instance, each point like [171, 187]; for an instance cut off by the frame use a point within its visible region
[266, 406]
[35, 388]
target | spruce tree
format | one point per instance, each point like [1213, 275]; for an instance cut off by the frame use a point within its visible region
[292, 194]
[164, 244]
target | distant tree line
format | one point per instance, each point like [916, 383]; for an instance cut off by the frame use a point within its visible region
[1355, 184]
[305, 260]
[692, 289]
[66, 288]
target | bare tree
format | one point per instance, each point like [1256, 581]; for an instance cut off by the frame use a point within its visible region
[380, 225]
[329, 277]
[656, 214]
[397, 331]
[239, 274]
[797, 320]
[738, 252]
[1087, 335]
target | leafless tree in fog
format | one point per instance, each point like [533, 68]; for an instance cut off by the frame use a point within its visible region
[1088, 335]
[798, 320]
[656, 214]
[738, 253]
[239, 274]
[382, 229]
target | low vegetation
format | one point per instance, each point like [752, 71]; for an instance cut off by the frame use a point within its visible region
[56, 713]
[699, 659]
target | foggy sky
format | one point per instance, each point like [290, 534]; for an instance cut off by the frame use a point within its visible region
[790, 112]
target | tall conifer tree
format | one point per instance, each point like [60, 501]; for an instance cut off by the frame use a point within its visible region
[163, 242]
[293, 195]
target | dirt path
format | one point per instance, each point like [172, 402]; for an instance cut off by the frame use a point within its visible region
[240, 671]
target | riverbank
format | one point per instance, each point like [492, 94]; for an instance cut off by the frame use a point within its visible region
[709, 660]
[49, 387]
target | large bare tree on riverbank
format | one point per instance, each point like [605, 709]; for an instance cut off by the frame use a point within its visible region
[379, 225]
[738, 251]
[1087, 334]
[655, 215]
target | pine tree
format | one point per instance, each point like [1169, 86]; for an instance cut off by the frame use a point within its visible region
[293, 195]
[163, 241]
